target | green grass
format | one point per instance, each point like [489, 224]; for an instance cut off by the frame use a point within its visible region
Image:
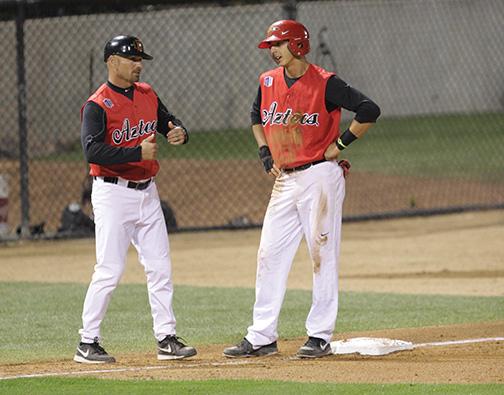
[98, 386]
[40, 321]
[462, 146]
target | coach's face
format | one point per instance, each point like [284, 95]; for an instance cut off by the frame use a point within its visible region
[126, 69]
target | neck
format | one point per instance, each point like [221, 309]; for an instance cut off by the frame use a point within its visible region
[120, 83]
[296, 68]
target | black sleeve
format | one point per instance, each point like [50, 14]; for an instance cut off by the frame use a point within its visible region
[165, 116]
[93, 143]
[340, 94]
[255, 112]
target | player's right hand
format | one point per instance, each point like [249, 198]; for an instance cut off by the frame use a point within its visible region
[149, 148]
[274, 171]
[267, 160]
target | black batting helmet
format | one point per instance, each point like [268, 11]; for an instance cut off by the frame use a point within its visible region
[125, 46]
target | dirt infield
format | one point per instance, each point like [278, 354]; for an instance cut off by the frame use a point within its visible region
[469, 363]
[455, 254]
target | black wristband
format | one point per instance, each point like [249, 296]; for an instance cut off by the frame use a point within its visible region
[345, 139]
[266, 158]
[264, 151]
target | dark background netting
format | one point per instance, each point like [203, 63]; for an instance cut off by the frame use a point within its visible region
[436, 68]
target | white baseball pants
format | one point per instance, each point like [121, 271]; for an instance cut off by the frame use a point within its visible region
[123, 216]
[307, 202]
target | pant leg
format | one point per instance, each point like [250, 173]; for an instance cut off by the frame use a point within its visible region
[280, 238]
[321, 214]
[115, 211]
[151, 241]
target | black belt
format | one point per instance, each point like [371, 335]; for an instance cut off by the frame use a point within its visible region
[140, 186]
[303, 167]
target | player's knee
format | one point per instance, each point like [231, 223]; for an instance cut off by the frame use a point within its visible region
[108, 274]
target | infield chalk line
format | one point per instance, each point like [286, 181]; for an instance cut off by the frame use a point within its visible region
[452, 342]
[119, 370]
[246, 362]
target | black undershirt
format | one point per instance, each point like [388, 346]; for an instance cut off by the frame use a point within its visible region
[94, 121]
[338, 94]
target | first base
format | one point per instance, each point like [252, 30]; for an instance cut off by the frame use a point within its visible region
[370, 346]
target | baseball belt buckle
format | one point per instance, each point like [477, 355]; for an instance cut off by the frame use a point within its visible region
[139, 186]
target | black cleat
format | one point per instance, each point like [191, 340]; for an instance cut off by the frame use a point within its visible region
[92, 353]
[245, 349]
[172, 348]
[315, 348]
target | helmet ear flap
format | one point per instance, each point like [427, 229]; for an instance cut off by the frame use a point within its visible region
[296, 47]
[300, 47]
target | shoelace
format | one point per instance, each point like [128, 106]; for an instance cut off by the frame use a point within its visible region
[99, 349]
[177, 340]
[312, 342]
[246, 344]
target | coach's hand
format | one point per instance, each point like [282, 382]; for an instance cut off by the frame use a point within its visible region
[149, 148]
[176, 135]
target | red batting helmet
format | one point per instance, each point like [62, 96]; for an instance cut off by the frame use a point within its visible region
[295, 32]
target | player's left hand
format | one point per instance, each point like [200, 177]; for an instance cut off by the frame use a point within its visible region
[176, 135]
[331, 152]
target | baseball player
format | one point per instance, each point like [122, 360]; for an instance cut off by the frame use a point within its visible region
[295, 121]
[119, 125]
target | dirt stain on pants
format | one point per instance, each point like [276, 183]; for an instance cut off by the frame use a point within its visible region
[319, 238]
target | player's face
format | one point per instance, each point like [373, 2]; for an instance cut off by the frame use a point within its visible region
[129, 68]
[280, 53]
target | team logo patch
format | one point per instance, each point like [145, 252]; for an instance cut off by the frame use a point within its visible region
[108, 103]
[268, 81]
[138, 45]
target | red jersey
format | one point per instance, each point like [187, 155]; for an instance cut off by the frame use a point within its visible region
[295, 120]
[129, 122]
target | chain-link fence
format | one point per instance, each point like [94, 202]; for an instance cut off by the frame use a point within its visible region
[434, 67]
